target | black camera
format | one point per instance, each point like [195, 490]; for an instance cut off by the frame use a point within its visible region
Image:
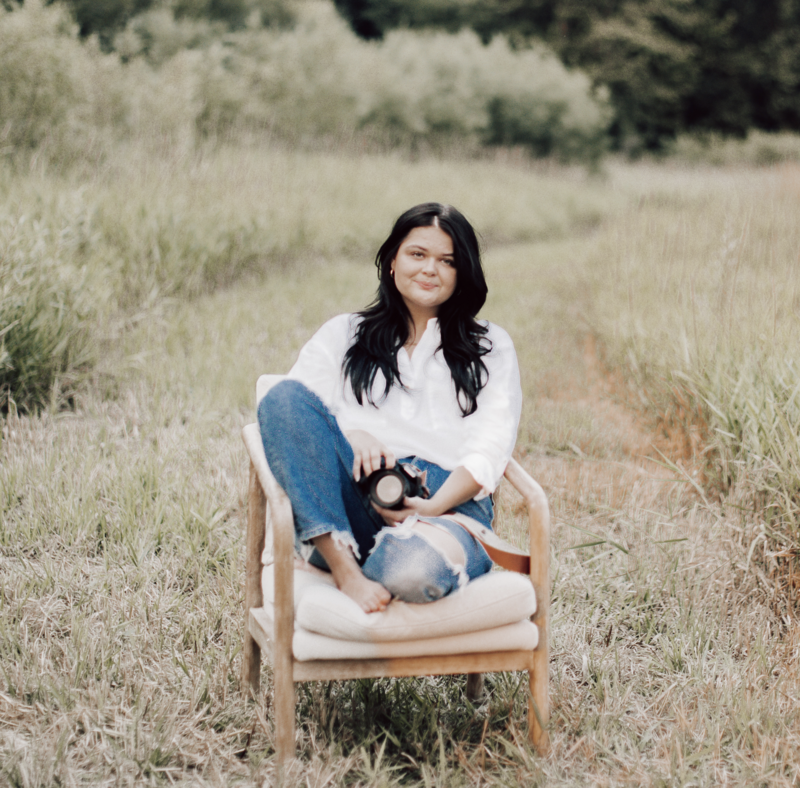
[387, 487]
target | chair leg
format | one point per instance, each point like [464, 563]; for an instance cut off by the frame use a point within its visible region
[474, 686]
[284, 718]
[251, 663]
[253, 596]
[539, 701]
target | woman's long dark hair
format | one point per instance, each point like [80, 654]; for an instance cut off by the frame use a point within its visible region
[384, 328]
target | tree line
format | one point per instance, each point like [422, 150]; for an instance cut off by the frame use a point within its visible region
[671, 66]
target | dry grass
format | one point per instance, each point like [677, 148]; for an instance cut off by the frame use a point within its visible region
[674, 655]
[700, 315]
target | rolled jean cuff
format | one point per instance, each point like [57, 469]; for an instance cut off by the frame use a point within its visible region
[343, 540]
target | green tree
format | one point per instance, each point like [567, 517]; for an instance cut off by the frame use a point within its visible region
[105, 17]
[670, 65]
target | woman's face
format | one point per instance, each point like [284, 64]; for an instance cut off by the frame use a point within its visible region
[424, 270]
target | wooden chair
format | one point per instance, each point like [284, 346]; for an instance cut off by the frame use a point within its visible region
[272, 627]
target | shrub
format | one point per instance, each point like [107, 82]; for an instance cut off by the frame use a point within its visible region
[533, 100]
[44, 88]
[318, 79]
[300, 83]
[45, 311]
[157, 36]
[61, 99]
[180, 76]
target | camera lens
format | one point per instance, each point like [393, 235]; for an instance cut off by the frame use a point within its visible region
[389, 489]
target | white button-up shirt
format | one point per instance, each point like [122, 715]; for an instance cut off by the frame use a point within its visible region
[424, 420]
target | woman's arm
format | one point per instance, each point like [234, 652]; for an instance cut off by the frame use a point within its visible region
[459, 488]
[490, 433]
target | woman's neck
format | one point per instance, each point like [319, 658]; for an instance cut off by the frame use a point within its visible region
[417, 325]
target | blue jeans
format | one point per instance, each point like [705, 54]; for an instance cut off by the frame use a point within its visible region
[313, 461]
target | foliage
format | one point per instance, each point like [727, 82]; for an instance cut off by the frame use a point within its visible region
[106, 18]
[103, 17]
[174, 78]
[555, 114]
[46, 313]
[63, 101]
[372, 19]
[45, 90]
[317, 79]
[671, 66]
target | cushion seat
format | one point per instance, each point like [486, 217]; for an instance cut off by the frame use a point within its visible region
[489, 614]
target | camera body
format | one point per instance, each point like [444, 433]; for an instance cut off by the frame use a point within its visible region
[387, 487]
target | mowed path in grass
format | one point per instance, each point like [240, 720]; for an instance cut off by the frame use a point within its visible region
[122, 571]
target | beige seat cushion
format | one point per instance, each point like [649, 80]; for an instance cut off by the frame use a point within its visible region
[494, 600]
[521, 636]
[488, 614]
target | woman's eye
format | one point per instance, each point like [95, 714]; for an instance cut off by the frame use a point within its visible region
[448, 262]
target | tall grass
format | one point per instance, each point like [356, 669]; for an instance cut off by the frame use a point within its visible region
[759, 148]
[85, 251]
[701, 294]
[121, 565]
[46, 313]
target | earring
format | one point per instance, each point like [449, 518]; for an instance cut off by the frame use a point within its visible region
[391, 272]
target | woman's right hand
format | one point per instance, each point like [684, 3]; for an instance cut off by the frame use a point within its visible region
[367, 453]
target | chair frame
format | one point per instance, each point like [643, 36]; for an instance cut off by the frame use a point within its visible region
[273, 634]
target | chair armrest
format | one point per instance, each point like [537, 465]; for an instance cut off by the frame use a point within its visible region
[282, 521]
[251, 436]
[279, 506]
[538, 534]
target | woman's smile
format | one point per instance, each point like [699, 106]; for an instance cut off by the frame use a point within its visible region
[424, 270]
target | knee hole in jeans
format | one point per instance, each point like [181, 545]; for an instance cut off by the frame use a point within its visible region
[441, 540]
[411, 568]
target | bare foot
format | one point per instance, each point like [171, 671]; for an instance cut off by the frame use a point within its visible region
[370, 596]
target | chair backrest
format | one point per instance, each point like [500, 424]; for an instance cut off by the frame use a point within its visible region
[265, 383]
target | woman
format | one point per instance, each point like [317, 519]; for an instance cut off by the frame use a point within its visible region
[414, 378]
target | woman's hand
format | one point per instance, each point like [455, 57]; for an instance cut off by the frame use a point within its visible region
[423, 507]
[367, 453]
[459, 488]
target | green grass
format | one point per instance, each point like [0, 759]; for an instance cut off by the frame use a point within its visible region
[674, 650]
[100, 245]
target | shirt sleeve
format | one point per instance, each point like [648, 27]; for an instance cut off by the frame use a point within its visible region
[491, 432]
[319, 365]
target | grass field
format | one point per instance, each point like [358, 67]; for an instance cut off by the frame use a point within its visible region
[631, 298]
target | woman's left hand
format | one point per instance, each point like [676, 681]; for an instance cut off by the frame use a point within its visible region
[459, 487]
[423, 507]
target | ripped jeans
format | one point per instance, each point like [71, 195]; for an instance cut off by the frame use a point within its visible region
[313, 461]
